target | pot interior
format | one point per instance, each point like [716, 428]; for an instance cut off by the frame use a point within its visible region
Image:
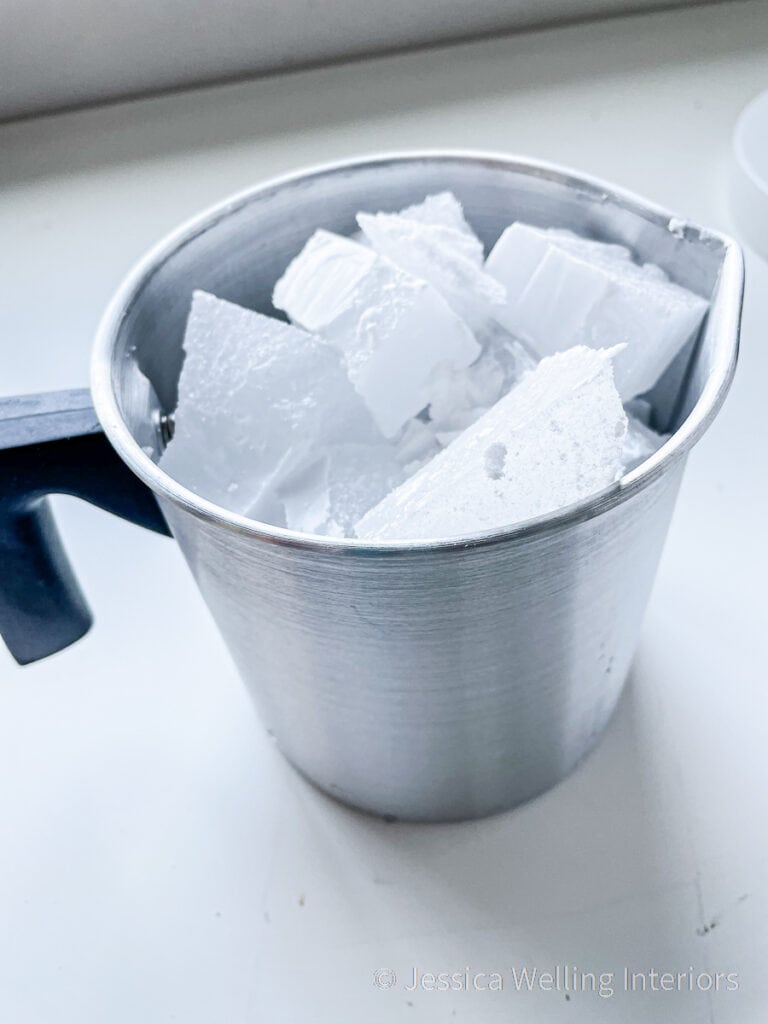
[240, 249]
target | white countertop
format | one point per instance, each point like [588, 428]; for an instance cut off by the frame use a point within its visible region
[158, 859]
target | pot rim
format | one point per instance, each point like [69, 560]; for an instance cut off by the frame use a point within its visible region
[103, 379]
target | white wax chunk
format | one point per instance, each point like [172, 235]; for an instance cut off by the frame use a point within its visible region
[331, 494]
[443, 210]
[521, 248]
[589, 248]
[393, 329]
[416, 445]
[258, 399]
[554, 439]
[462, 396]
[324, 282]
[561, 293]
[640, 443]
[438, 255]
[446, 437]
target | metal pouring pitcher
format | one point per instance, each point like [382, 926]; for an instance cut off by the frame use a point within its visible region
[422, 680]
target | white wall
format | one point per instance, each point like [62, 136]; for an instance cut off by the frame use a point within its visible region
[58, 53]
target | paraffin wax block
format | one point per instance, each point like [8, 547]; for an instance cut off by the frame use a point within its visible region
[563, 291]
[462, 396]
[443, 210]
[257, 400]
[393, 329]
[330, 495]
[556, 438]
[438, 255]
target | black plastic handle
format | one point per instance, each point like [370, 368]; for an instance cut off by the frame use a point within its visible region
[53, 444]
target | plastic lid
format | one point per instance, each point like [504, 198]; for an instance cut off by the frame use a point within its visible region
[749, 192]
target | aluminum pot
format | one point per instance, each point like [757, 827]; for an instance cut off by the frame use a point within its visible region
[429, 680]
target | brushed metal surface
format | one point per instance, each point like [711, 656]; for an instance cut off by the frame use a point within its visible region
[436, 679]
